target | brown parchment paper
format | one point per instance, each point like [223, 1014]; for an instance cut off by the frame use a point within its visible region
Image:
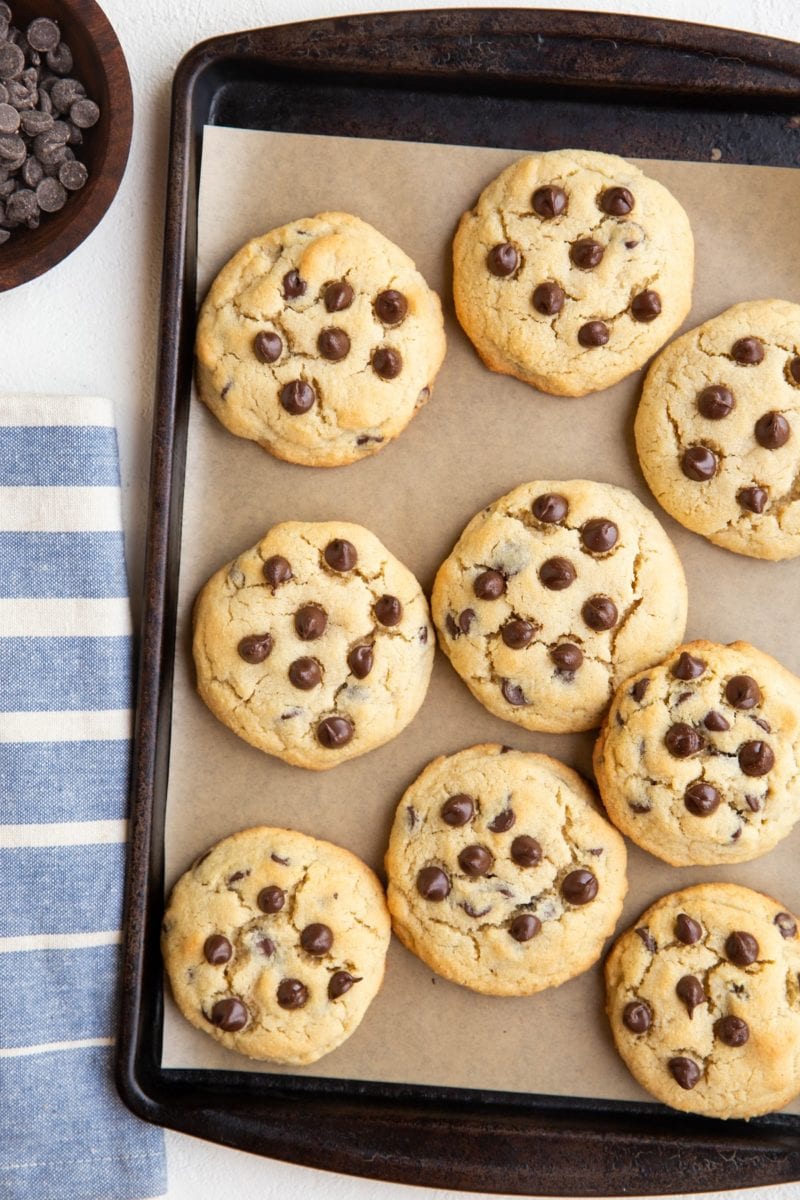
[479, 436]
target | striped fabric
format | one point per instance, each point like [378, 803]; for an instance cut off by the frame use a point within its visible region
[65, 725]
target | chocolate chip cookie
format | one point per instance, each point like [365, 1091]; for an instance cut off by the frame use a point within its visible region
[319, 340]
[552, 596]
[698, 760]
[718, 429]
[571, 270]
[275, 944]
[316, 645]
[503, 876]
[704, 1001]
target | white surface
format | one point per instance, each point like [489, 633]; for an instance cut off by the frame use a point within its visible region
[89, 326]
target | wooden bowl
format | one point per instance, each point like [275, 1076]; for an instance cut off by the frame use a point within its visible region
[100, 65]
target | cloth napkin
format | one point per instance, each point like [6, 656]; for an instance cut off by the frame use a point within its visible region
[65, 727]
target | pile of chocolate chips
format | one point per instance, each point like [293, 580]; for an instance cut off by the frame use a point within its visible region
[43, 112]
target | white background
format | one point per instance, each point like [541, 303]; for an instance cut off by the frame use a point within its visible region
[90, 326]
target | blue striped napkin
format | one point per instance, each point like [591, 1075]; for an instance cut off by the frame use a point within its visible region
[65, 726]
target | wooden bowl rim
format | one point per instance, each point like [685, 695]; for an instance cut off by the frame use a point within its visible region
[109, 169]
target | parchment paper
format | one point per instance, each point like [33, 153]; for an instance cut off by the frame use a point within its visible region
[479, 436]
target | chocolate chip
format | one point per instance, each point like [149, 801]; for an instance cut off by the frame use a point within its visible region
[236, 876]
[753, 802]
[12, 60]
[389, 611]
[517, 633]
[503, 821]
[550, 508]
[51, 196]
[715, 402]
[794, 370]
[338, 296]
[567, 657]
[687, 930]
[716, 722]
[433, 884]
[513, 693]
[277, 570]
[9, 119]
[549, 202]
[387, 363]
[756, 758]
[688, 667]
[579, 887]
[475, 860]
[360, 660]
[548, 299]
[217, 949]
[310, 622]
[297, 397]
[682, 741]
[458, 810]
[524, 927]
[753, 498]
[229, 1014]
[503, 259]
[557, 574]
[748, 351]
[786, 924]
[526, 851]
[391, 307]
[266, 946]
[685, 1072]
[451, 626]
[701, 799]
[600, 613]
[292, 993]
[646, 306]
[599, 535]
[765, 725]
[742, 691]
[741, 948]
[255, 648]
[316, 939]
[699, 463]
[465, 619]
[64, 93]
[593, 333]
[637, 1016]
[42, 34]
[293, 285]
[267, 346]
[60, 60]
[305, 673]
[333, 732]
[683, 696]
[586, 254]
[690, 991]
[772, 431]
[84, 113]
[639, 689]
[616, 201]
[341, 982]
[341, 555]
[489, 585]
[733, 1031]
[333, 344]
[271, 899]
[647, 938]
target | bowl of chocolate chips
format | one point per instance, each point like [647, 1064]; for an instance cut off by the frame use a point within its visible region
[66, 115]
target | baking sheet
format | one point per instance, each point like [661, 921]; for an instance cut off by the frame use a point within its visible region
[480, 435]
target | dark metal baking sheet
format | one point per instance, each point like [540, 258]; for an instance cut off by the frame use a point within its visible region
[484, 77]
